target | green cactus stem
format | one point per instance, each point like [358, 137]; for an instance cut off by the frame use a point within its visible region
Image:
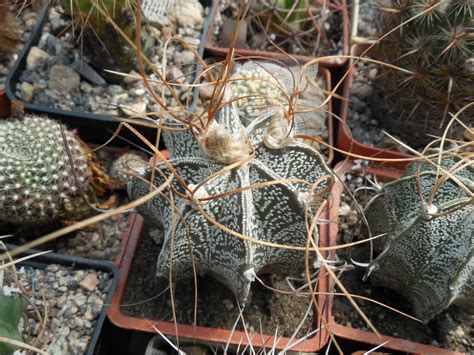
[429, 248]
[102, 42]
[43, 168]
[437, 49]
[11, 309]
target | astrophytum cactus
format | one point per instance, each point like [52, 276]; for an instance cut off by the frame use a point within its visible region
[259, 88]
[43, 167]
[428, 255]
[273, 213]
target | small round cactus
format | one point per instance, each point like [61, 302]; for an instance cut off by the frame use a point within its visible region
[39, 176]
[124, 167]
[437, 49]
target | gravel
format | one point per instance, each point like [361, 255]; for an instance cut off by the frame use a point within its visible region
[363, 124]
[26, 20]
[368, 15]
[102, 240]
[361, 120]
[64, 78]
[68, 312]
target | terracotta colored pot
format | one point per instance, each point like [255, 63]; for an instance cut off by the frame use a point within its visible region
[326, 74]
[345, 141]
[215, 49]
[201, 334]
[5, 105]
[363, 336]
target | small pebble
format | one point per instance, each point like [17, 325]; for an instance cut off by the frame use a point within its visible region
[89, 283]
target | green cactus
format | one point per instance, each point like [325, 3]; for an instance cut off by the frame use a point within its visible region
[125, 166]
[274, 213]
[11, 309]
[428, 259]
[436, 48]
[39, 177]
[102, 42]
[9, 32]
[287, 14]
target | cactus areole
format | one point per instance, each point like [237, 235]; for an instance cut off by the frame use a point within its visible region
[273, 213]
[43, 167]
[428, 256]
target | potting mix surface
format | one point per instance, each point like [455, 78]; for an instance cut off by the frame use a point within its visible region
[266, 311]
[63, 306]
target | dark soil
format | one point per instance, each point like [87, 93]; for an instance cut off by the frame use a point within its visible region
[452, 329]
[216, 306]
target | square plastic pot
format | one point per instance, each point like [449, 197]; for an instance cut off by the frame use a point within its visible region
[201, 334]
[95, 128]
[77, 263]
[354, 334]
[345, 141]
[214, 49]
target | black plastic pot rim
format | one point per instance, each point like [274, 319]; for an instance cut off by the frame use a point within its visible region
[77, 263]
[96, 128]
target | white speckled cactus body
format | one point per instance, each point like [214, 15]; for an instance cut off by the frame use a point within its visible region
[260, 88]
[270, 214]
[428, 258]
[37, 177]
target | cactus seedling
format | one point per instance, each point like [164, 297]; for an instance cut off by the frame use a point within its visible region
[428, 256]
[268, 214]
[436, 48]
[43, 167]
[286, 15]
[11, 308]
